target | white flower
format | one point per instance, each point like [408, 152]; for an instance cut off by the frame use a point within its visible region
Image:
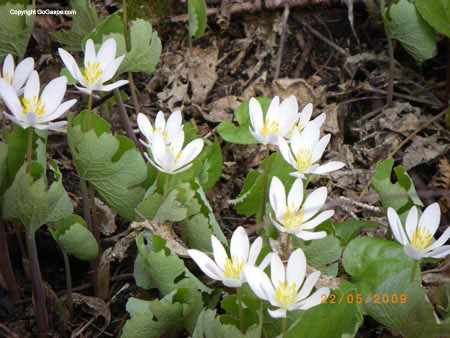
[168, 130]
[172, 159]
[98, 68]
[305, 118]
[419, 241]
[36, 110]
[292, 217]
[279, 119]
[230, 271]
[305, 150]
[284, 290]
[17, 76]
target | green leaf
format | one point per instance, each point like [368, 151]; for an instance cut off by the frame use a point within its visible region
[74, 238]
[322, 254]
[437, 14]
[112, 24]
[198, 233]
[15, 30]
[197, 17]
[141, 275]
[111, 163]
[403, 22]
[328, 320]
[83, 23]
[400, 195]
[135, 306]
[145, 48]
[32, 203]
[3, 164]
[159, 210]
[211, 168]
[348, 230]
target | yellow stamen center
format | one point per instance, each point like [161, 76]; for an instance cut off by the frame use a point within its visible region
[35, 105]
[270, 127]
[303, 158]
[7, 77]
[293, 218]
[92, 73]
[164, 133]
[286, 294]
[298, 126]
[233, 268]
[176, 155]
[421, 239]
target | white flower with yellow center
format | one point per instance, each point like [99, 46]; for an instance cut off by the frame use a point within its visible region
[173, 159]
[305, 118]
[284, 290]
[17, 76]
[230, 270]
[293, 217]
[278, 121]
[98, 67]
[37, 110]
[419, 240]
[168, 130]
[305, 150]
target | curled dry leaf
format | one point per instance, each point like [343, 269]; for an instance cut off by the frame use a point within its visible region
[423, 150]
[202, 72]
[222, 109]
[93, 306]
[106, 218]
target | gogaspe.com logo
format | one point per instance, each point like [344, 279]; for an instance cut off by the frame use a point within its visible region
[47, 11]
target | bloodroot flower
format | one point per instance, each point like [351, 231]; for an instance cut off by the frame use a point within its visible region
[168, 130]
[98, 68]
[293, 217]
[419, 241]
[19, 75]
[230, 271]
[37, 110]
[283, 289]
[280, 118]
[305, 118]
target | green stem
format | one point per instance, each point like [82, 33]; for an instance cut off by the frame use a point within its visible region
[241, 310]
[40, 306]
[166, 186]
[68, 283]
[286, 248]
[29, 149]
[89, 111]
[266, 181]
[283, 327]
[413, 270]
[5, 264]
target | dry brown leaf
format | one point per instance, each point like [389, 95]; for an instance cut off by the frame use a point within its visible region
[222, 109]
[106, 218]
[202, 72]
[423, 150]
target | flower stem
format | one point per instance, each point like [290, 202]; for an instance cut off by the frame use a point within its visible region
[166, 186]
[286, 248]
[29, 149]
[241, 310]
[266, 181]
[413, 270]
[68, 283]
[5, 264]
[89, 111]
[40, 307]
[283, 327]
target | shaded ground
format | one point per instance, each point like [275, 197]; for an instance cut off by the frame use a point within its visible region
[231, 65]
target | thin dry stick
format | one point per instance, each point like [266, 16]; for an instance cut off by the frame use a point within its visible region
[282, 39]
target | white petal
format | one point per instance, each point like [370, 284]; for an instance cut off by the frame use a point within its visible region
[314, 202]
[174, 123]
[158, 167]
[31, 119]
[114, 85]
[295, 197]
[56, 126]
[273, 111]
[441, 252]
[396, 226]
[22, 73]
[277, 225]
[412, 252]
[319, 120]
[277, 271]
[322, 217]
[305, 115]
[279, 313]
[308, 236]
[307, 287]
[204, 263]
[8, 66]
[232, 283]
[111, 69]
[255, 278]
[257, 136]
[328, 167]
[239, 244]
[220, 255]
[296, 141]
[190, 152]
[21, 123]
[310, 135]
[320, 148]
[145, 126]
[160, 122]
[59, 111]
[441, 241]
[177, 142]
[89, 53]
[69, 62]
[256, 115]
[296, 268]
[86, 91]
[411, 222]
[158, 148]
[106, 54]
[10, 98]
[430, 218]
[286, 151]
[266, 261]
[32, 87]
[255, 249]
[277, 196]
[315, 299]
[53, 93]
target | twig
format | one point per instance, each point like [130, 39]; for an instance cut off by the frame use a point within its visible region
[403, 96]
[390, 87]
[8, 331]
[282, 39]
